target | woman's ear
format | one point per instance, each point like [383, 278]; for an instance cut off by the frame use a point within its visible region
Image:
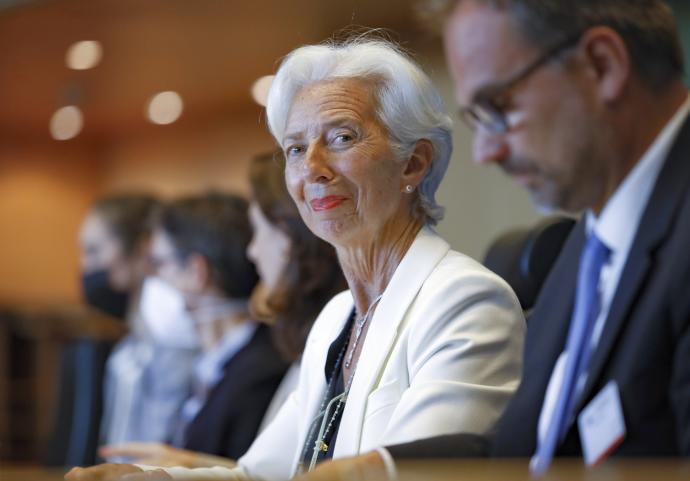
[141, 257]
[417, 166]
[198, 273]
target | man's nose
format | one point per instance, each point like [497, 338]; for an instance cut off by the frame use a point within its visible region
[489, 147]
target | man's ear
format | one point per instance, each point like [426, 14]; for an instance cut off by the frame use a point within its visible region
[418, 164]
[609, 61]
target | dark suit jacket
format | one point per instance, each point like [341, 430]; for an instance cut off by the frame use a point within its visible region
[645, 345]
[229, 420]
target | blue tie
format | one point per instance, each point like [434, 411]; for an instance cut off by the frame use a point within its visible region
[578, 347]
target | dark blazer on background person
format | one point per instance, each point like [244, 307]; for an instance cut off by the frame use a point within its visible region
[229, 420]
[644, 346]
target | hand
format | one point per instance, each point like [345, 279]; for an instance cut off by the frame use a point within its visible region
[367, 466]
[158, 454]
[102, 472]
[155, 475]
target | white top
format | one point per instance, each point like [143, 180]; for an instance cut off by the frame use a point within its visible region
[145, 386]
[616, 227]
[443, 354]
[287, 385]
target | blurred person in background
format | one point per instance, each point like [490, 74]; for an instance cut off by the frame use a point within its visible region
[113, 243]
[115, 240]
[299, 274]
[199, 253]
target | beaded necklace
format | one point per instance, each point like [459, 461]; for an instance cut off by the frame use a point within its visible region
[358, 331]
[326, 421]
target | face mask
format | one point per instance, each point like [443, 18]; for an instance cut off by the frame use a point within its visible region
[98, 293]
[165, 315]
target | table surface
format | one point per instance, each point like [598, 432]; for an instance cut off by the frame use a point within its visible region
[476, 470]
[14, 473]
[561, 470]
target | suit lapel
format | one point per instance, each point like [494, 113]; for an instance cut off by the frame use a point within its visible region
[424, 254]
[313, 368]
[654, 227]
[547, 328]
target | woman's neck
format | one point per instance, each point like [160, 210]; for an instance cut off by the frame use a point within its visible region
[369, 268]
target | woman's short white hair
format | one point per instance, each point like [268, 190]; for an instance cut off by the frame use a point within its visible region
[410, 107]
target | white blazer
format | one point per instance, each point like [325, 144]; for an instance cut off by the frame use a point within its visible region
[442, 355]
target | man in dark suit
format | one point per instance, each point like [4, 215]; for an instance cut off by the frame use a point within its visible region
[583, 104]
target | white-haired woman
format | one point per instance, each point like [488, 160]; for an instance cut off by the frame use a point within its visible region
[426, 341]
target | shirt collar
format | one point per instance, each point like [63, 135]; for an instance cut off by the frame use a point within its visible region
[210, 366]
[618, 222]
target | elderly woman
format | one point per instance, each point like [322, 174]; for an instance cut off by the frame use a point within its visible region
[426, 341]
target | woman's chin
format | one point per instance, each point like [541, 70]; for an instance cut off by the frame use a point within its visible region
[336, 232]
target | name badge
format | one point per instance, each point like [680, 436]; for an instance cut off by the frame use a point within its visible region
[601, 423]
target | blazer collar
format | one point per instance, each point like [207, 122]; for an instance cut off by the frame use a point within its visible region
[655, 225]
[422, 257]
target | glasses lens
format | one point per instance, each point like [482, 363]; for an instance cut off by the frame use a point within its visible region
[469, 117]
[485, 115]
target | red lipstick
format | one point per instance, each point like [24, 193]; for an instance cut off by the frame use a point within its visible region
[327, 203]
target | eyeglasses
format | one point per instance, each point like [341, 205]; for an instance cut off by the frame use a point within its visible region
[488, 112]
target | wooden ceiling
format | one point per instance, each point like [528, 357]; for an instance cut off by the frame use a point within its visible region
[210, 51]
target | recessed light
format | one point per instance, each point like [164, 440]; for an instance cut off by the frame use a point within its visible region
[66, 123]
[165, 107]
[84, 55]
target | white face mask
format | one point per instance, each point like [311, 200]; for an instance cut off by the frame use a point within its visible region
[165, 315]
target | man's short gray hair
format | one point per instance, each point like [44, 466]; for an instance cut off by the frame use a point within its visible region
[409, 106]
[646, 26]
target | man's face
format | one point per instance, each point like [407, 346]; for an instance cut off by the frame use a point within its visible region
[553, 134]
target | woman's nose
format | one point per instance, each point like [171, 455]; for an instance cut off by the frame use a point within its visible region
[318, 165]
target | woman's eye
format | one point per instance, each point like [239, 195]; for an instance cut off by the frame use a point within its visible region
[343, 138]
[293, 150]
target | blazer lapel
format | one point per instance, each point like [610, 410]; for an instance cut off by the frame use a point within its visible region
[654, 227]
[547, 327]
[547, 330]
[313, 368]
[424, 254]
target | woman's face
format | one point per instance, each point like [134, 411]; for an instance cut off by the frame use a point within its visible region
[269, 249]
[340, 168]
[101, 250]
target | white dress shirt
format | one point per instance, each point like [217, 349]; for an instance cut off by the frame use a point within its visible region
[616, 227]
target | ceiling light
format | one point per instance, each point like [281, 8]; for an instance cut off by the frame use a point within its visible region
[84, 55]
[165, 108]
[66, 123]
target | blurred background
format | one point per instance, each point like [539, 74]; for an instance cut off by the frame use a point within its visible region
[103, 96]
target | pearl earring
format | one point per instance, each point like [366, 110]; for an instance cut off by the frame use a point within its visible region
[409, 189]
